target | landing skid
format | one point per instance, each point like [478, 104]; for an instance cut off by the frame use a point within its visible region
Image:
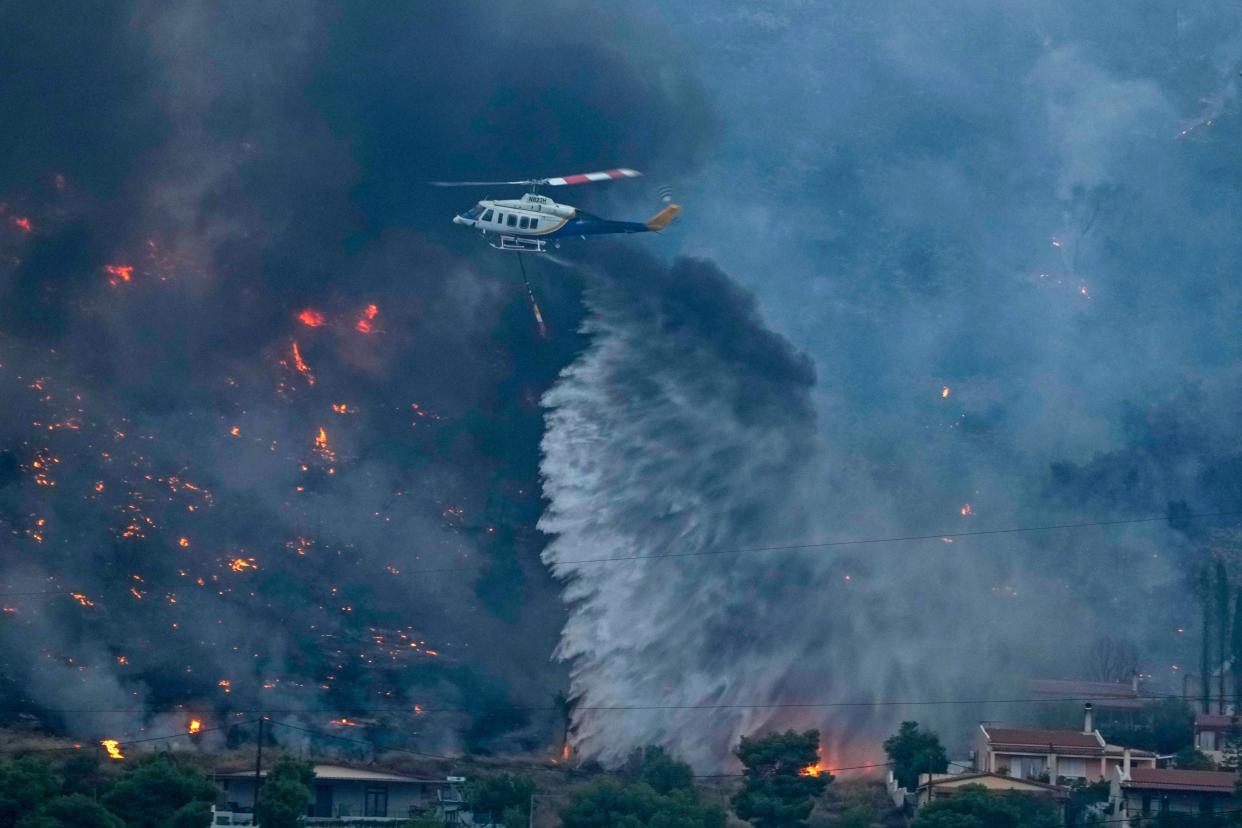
[520, 244]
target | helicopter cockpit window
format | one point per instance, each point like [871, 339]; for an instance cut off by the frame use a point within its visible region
[487, 216]
[512, 220]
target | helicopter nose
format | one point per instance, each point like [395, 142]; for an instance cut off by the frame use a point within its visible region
[459, 219]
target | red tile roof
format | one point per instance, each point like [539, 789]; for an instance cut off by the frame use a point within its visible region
[1104, 695]
[1168, 779]
[1212, 721]
[1060, 740]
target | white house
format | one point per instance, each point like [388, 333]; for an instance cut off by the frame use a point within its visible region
[359, 796]
[1146, 793]
[1036, 753]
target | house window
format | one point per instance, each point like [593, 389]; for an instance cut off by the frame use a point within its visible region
[375, 802]
[512, 220]
[524, 223]
[487, 216]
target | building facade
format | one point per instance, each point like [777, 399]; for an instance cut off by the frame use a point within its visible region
[359, 795]
[1053, 755]
[1141, 796]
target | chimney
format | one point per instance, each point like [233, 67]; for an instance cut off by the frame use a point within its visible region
[1134, 681]
[1088, 718]
[1052, 765]
[1125, 763]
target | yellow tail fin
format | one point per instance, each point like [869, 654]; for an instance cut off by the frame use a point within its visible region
[663, 218]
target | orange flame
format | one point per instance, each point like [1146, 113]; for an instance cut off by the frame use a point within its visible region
[81, 599]
[321, 444]
[113, 747]
[944, 393]
[183, 542]
[301, 365]
[311, 318]
[195, 726]
[364, 324]
[818, 768]
[242, 564]
[966, 510]
[23, 223]
[119, 273]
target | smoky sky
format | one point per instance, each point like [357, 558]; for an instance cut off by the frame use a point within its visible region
[256, 384]
[1002, 236]
[942, 267]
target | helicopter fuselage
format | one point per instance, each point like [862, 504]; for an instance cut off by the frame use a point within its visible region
[539, 217]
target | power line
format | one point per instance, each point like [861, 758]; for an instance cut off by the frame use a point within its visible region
[124, 743]
[407, 711]
[745, 550]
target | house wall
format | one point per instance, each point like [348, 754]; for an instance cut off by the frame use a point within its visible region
[236, 792]
[1113, 764]
[348, 795]
[1179, 803]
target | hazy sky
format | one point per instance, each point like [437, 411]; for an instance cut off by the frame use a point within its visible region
[951, 266]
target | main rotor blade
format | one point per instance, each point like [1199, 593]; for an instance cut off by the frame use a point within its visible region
[587, 178]
[560, 181]
[484, 183]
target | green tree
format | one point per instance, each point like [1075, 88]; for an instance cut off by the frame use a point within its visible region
[1191, 758]
[285, 795]
[158, 792]
[778, 790]
[912, 752]
[80, 773]
[653, 764]
[973, 806]
[496, 795]
[609, 805]
[24, 785]
[72, 811]
[1164, 727]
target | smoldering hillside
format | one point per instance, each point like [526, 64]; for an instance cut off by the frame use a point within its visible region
[268, 415]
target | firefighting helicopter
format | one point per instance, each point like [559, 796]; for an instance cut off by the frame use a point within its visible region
[526, 224]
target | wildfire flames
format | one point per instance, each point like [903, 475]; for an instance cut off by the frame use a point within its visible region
[966, 510]
[818, 768]
[118, 274]
[368, 315]
[311, 318]
[195, 726]
[944, 393]
[301, 365]
[113, 747]
[321, 444]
